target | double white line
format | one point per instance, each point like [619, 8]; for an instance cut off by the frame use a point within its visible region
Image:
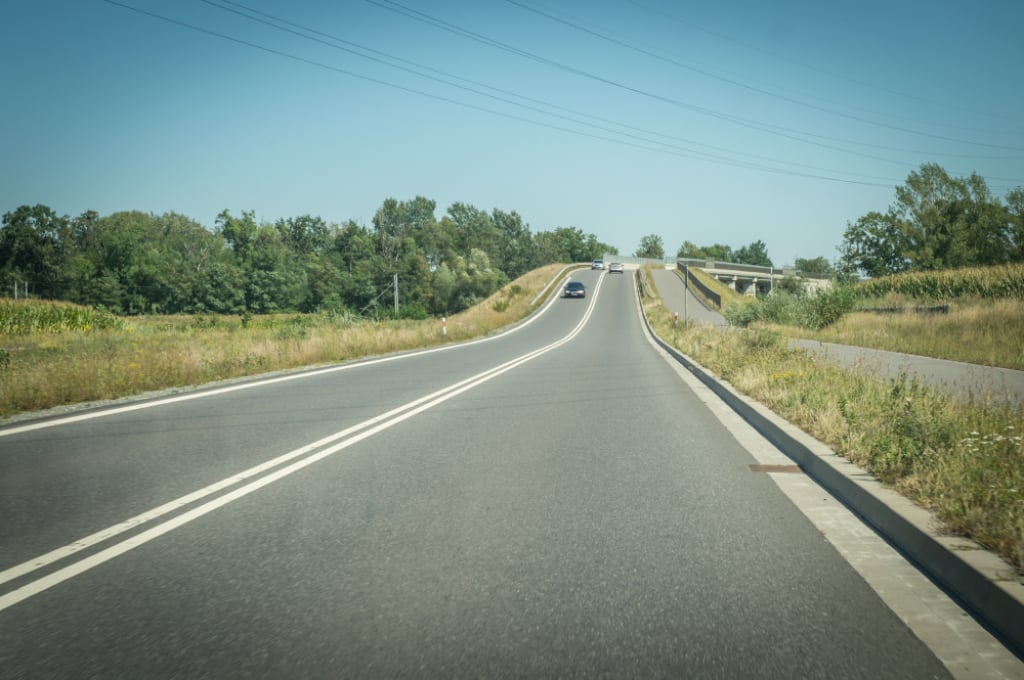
[257, 477]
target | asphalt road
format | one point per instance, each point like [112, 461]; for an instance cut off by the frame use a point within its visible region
[576, 513]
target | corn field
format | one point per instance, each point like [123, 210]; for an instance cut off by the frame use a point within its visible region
[1005, 281]
[21, 317]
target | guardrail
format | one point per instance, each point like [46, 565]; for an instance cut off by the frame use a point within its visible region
[642, 285]
[711, 295]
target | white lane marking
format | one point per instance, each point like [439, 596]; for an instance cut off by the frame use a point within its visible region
[18, 429]
[374, 425]
[100, 536]
[966, 649]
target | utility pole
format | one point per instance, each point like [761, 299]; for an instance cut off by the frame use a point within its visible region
[396, 296]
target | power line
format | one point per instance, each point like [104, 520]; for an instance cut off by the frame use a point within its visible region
[665, 151]
[697, 154]
[721, 78]
[638, 143]
[818, 69]
[399, 8]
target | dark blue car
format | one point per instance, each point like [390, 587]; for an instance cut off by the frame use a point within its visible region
[574, 289]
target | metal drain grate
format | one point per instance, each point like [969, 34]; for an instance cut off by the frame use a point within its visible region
[776, 468]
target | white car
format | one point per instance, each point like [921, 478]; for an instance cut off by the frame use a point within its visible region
[615, 268]
[597, 264]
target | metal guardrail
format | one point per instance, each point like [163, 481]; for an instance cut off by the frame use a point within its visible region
[711, 295]
[642, 285]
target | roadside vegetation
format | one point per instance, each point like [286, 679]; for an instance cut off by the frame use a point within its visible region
[975, 314]
[54, 353]
[964, 461]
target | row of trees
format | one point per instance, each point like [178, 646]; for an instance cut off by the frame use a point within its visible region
[652, 246]
[936, 222]
[756, 253]
[134, 262]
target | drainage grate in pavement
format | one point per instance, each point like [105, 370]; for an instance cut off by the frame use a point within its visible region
[776, 468]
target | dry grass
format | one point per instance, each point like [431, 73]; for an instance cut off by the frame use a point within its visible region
[44, 369]
[964, 461]
[988, 332]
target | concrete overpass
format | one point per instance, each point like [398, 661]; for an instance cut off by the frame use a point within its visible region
[748, 279]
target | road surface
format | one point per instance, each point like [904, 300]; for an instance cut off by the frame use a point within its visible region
[552, 502]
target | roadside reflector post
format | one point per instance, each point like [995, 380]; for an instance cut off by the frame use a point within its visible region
[675, 317]
[444, 325]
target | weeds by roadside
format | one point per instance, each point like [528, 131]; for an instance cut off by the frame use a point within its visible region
[964, 461]
[56, 363]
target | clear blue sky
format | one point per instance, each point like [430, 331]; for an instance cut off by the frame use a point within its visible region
[719, 122]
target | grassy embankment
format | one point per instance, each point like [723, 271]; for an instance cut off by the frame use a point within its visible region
[965, 461]
[54, 354]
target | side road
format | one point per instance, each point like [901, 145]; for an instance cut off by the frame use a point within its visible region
[966, 380]
[981, 581]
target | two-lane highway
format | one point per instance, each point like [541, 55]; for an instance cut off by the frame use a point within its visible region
[552, 502]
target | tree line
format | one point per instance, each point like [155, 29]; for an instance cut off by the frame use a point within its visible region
[936, 222]
[132, 262]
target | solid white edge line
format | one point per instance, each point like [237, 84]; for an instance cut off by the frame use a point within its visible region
[404, 413]
[40, 425]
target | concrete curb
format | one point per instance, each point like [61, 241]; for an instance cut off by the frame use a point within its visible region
[988, 587]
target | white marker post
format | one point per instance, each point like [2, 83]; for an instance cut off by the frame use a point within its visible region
[444, 325]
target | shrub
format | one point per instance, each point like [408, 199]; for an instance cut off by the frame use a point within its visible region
[828, 306]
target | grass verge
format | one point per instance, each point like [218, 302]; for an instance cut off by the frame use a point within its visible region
[987, 332]
[49, 364]
[963, 461]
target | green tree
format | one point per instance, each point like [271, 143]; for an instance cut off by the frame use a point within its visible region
[472, 228]
[34, 246]
[517, 250]
[717, 252]
[549, 248]
[874, 245]
[756, 254]
[1015, 214]
[192, 269]
[399, 226]
[238, 232]
[950, 222]
[275, 281]
[817, 265]
[651, 246]
[304, 234]
[689, 249]
[462, 282]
